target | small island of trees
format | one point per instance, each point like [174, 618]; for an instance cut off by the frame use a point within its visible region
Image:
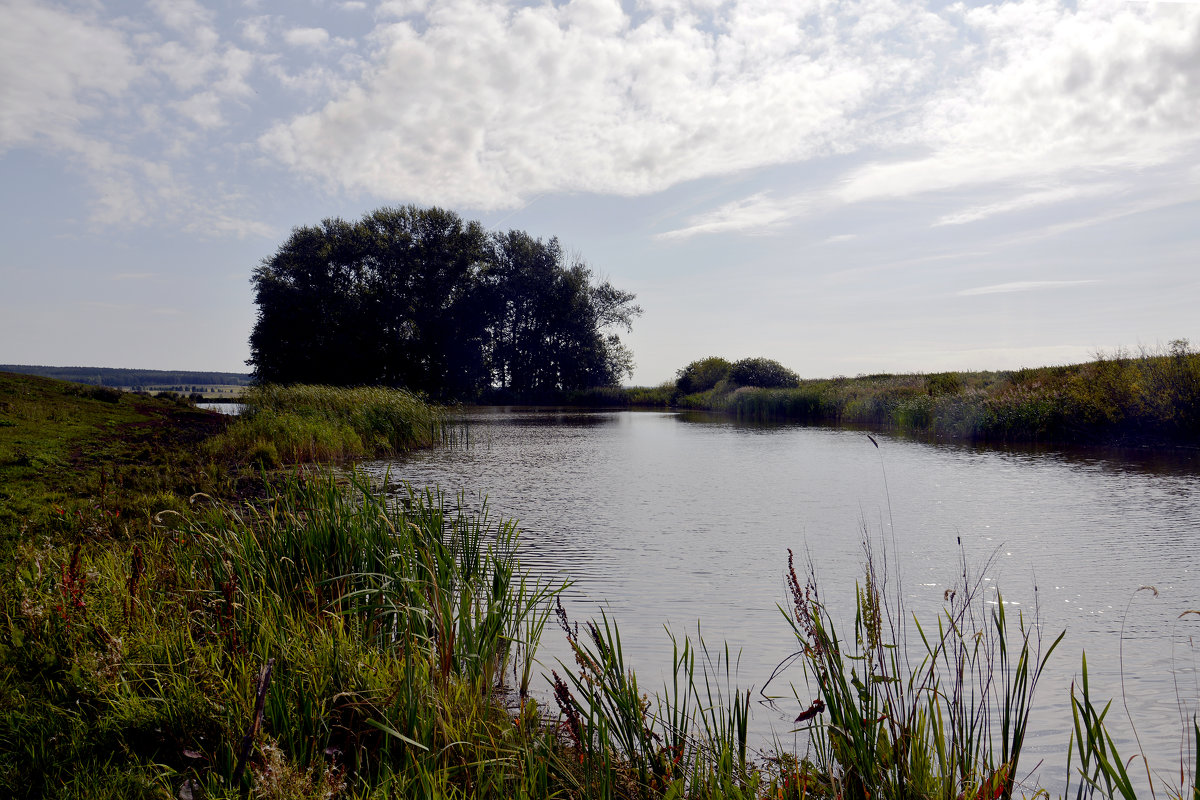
[421, 299]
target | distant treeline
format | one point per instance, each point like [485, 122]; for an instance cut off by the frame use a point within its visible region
[133, 378]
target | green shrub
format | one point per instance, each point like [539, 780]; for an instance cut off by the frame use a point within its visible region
[941, 383]
[702, 375]
[763, 373]
[105, 394]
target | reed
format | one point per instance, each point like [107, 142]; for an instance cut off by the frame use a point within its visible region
[891, 720]
[689, 741]
[295, 424]
[1100, 769]
[393, 630]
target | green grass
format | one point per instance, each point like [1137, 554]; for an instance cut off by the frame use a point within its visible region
[94, 461]
[390, 627]
[1154, 397]
[136, 621]
[295, 424]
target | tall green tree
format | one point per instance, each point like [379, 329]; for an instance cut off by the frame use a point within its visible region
[312, 296]
[551, 326]
[421, 298]
[426, 303]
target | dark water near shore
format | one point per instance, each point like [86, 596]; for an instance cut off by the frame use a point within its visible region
[663, 519]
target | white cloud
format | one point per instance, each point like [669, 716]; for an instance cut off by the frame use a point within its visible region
[758, 213]
[220, 70]
[306, 37]
[184, 16]
[401, 8]
[84, 89]
[1103, 88]
[1022, 286]
[56, 71]
[1025, 202]
[256, 30]
[483, 104]
[203, 108]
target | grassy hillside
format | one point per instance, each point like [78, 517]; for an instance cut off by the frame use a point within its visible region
[174, 380]
[76, 457]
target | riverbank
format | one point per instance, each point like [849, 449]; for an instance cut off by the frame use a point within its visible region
[1116, 400]
[392, 645]
[311, 639]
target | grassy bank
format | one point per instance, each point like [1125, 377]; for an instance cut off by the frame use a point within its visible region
[1153, 397]
[297, 424]
[91, 460]
[94, 460]
[317, 640]
[130, 670]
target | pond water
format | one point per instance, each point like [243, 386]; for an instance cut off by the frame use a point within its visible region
[222, 408]
[678, 520]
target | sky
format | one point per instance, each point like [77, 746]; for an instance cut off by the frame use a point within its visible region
[846, 186]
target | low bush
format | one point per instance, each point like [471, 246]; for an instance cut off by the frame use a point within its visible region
[764, 373]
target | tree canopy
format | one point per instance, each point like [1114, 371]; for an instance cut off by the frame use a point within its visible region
[702, 375]
[419, 298]
[715, 372]
[765, 373]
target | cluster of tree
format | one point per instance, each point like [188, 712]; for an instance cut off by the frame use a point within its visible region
[420, 298]
[713, 372]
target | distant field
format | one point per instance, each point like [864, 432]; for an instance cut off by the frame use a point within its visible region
[212, 385]
[214, 392]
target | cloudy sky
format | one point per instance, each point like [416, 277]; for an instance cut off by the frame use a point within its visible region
[848, 186]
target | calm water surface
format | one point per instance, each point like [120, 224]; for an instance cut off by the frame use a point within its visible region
[670, 520]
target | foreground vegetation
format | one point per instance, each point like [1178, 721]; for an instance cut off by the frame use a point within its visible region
[1119, 398]
[323, 424]
[327, 643]
[319, 640]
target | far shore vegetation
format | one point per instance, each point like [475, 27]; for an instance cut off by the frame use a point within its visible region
[199, 606]
[205, 385]
[1152, 397]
